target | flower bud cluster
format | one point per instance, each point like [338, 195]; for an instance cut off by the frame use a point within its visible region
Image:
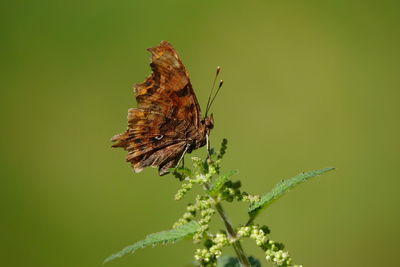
[276, 255]
[212, 170]
[203, 170]
[273, 251]
[208, 257]
[202, 207]
[185, 188]
[254, 232]
[231, 191]
[250, 198]
[203, 173]
[205, 257]
[197, 162]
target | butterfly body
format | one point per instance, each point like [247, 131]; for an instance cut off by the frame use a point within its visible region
[166, 123]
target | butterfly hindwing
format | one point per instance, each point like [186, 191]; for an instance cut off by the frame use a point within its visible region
[148, 134]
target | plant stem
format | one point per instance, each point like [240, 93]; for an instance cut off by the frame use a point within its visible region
[237, 246]
[250, 221]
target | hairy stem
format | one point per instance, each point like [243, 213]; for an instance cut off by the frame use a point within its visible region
[237, 246]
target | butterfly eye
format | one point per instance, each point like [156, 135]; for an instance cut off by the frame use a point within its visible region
[159, 137]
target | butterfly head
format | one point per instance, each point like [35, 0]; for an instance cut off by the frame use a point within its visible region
[208, 122]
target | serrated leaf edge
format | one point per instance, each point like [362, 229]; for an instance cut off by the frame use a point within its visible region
[283, 187]
[163, 237]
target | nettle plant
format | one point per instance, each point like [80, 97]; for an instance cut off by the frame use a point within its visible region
[219, 188]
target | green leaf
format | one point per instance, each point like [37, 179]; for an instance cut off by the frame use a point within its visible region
[164, 237]
[220, 181]
[281, 188]
[229, 261]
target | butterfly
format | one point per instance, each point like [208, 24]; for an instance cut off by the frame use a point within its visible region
[166, 123]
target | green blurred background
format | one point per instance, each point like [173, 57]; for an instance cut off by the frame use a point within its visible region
[308, 84]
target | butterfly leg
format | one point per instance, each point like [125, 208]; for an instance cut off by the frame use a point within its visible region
[183, 155]
[183, 162]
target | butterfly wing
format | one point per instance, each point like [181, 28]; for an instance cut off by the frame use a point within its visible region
[168, 89]
[152, 140]
[168, 114]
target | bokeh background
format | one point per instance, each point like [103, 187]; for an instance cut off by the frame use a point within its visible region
[308, 84]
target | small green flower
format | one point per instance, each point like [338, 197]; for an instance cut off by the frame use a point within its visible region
[244, 231]
[251, 198]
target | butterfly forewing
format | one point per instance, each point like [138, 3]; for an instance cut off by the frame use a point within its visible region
[168, 89]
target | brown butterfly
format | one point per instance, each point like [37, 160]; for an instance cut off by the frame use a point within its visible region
[166, 123]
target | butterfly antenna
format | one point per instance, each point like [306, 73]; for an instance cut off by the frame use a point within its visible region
[216, 93]
[212, 89]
